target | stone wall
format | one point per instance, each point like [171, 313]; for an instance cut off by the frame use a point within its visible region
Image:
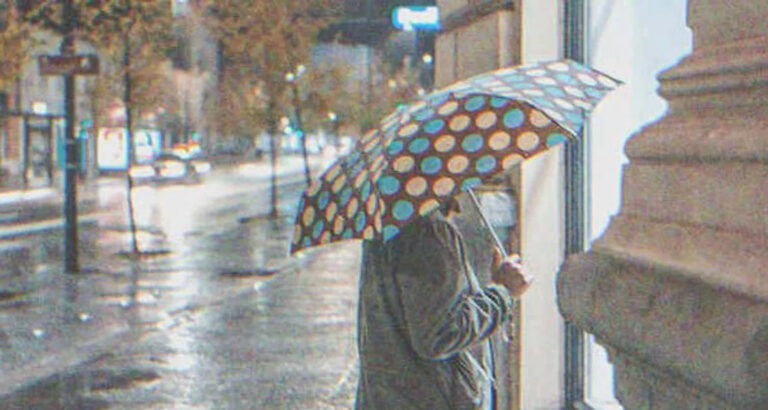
[677, 287]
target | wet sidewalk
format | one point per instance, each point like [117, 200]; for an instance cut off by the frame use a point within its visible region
[220, 303]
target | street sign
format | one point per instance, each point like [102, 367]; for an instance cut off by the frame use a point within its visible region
[84, 64]
[411, 18]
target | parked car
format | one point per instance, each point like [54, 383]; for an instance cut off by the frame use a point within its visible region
[170, 167]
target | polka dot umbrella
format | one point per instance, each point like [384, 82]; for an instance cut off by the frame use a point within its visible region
[446, 143]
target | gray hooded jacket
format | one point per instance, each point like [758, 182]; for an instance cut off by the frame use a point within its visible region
[421, 311]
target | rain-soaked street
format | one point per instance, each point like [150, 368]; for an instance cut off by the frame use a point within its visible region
[213, 315]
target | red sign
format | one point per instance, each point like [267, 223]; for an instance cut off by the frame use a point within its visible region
[85, 64]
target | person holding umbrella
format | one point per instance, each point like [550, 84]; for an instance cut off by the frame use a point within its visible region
[421, 309]
[422, 313]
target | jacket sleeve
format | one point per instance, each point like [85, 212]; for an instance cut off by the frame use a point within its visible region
[442, 315]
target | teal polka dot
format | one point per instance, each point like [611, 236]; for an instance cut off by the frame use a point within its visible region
[514, 78]
[347, 234]
[497, 102]
[566, 78]
[474, 103]
[365, 190]
[418, 145]
[522, 86]
[472, 143]
[390, 231]
[317, 230]
[388, 185]
[424, 114]
[542, 102]
[434, 126]
[555, 92]
[438, 98]
[351, 158]
[574, 117]
[470, 182]
[360, 222]
[556, 138]
[596, 94]
[402, 210]
[323, 199]
[345, 196]
[358, 168]
[395, 147]
[306, 243]
[485, 164]
[431, 165]
[514, 118]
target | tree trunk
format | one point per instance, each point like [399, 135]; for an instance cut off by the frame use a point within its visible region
[129, 136]
[272, 130]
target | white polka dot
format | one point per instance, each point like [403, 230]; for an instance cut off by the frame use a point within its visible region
[583, 104]
[536, 72]
[576, 92]
[558, 66]
[554, 115]
[608, 82]
[533, 92]
[586, 79]
[545, 81]
[563, 103]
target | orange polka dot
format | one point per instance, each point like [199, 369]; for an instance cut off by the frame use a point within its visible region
[416, 186]
[360, 179]
[511, 160]
[408, 130]
[339, 183]
[499, 140]
[445, 143]
[486, 120]
[458, 164]
[325, 237]
[308, 216]
[528, 141]
[296, 234]
[539, 119]
[403, 164]
[352, 207]
[460, 122]
[448, 108]
[338, 225]
[314, 188]
[330, 212]
[333, 172]
[444, 186]
[370, 205]
[428, 206]
[368, 233]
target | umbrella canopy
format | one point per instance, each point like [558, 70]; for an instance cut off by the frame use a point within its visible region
[446, 143]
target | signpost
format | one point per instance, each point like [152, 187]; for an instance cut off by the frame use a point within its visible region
[83, 64]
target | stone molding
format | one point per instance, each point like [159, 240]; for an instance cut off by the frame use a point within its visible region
[714, 342]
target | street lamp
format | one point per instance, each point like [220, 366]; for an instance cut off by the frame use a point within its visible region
[292, 79]
[335, 121]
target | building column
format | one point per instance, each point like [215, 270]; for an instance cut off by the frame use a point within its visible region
[677, 287]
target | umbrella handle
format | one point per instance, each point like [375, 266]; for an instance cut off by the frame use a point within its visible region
[487, 224]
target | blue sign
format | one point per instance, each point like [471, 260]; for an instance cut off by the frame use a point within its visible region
[416, 18]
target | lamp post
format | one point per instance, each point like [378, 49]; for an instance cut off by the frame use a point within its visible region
[292, 79]
[334, 118]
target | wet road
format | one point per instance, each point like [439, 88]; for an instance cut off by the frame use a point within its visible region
[214, 332]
